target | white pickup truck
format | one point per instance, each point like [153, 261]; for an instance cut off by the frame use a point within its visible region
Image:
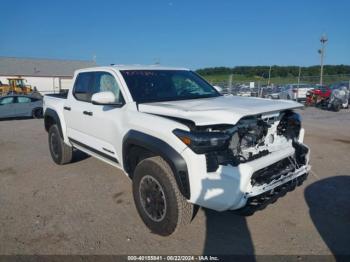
[181, 143]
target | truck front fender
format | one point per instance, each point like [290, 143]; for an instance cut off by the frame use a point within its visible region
[158, 147]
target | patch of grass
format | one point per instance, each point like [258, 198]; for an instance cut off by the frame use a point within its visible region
[218, 78]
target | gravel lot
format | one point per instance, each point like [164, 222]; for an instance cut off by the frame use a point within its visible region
[87, 208]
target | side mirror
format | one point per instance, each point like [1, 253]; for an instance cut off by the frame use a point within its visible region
[218, 88]
[104, 98]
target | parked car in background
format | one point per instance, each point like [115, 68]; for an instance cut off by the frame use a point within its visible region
[317, 95]
[20, 106]
[244, 91]
[340, 96]
[295, 91]
[273, 93]
[254, 92]
[333, 97]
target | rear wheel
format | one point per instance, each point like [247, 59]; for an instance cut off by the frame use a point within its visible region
[158, 200]
[61, 153]
[37, 113]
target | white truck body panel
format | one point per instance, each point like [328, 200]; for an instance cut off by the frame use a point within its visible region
[217, 110]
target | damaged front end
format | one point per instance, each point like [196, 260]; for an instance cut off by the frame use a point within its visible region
[251, 138]
[255, 141]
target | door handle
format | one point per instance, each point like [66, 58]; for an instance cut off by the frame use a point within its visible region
[67, 108]
[89, 113]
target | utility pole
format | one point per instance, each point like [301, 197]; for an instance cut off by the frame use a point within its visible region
[321, 51]
[230, 80]
[268, 83]
[298, 82]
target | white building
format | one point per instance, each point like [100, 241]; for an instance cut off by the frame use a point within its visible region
[47, 75]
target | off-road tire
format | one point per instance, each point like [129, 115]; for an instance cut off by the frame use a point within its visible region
[178, 212]
[60, 152]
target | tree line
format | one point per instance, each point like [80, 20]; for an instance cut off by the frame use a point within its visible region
[276, 71]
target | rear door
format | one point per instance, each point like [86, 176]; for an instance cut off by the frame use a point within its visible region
[75, 106]
[7, 107]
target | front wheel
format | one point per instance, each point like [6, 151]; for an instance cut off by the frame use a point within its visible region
[61, 153]
[158, 200]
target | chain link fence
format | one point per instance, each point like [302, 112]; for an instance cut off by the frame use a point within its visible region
[258, 87]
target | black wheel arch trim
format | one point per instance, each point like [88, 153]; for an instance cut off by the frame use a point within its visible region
[176, 162]
[50, 113]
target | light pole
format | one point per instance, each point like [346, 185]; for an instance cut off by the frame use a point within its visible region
[321, 51]
[269, 82]
[299, 74]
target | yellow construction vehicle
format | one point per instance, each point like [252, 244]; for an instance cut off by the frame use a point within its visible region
[15, 85]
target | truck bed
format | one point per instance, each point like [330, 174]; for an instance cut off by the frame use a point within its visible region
[62, 95]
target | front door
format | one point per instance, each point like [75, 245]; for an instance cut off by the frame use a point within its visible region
[24, 106]
[96, 127]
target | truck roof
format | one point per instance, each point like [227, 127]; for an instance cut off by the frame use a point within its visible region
[134, 67]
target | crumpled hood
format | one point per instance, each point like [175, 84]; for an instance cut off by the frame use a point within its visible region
[217, 110]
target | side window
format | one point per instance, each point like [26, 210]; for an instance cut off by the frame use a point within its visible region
[6, 100]
[82, 86]
[23, 99]
[103, 82]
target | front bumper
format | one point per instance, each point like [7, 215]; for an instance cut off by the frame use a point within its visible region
[257, 190]
[230, 187]
[258, 202]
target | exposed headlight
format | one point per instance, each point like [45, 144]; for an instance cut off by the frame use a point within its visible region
[289, 125]
[203, 142]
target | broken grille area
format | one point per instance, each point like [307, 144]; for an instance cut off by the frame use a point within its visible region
[259, 202]
[272, 172]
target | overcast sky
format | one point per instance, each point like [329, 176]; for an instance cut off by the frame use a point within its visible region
[188, 33]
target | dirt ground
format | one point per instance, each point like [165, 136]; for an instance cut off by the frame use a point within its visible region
[87, 208]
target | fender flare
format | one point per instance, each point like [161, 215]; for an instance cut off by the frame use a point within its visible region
[50, 113]
[176, 162]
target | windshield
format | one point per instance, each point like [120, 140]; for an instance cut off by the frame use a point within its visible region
[166, 85]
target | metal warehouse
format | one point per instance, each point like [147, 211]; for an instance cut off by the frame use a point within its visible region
[44, 75]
